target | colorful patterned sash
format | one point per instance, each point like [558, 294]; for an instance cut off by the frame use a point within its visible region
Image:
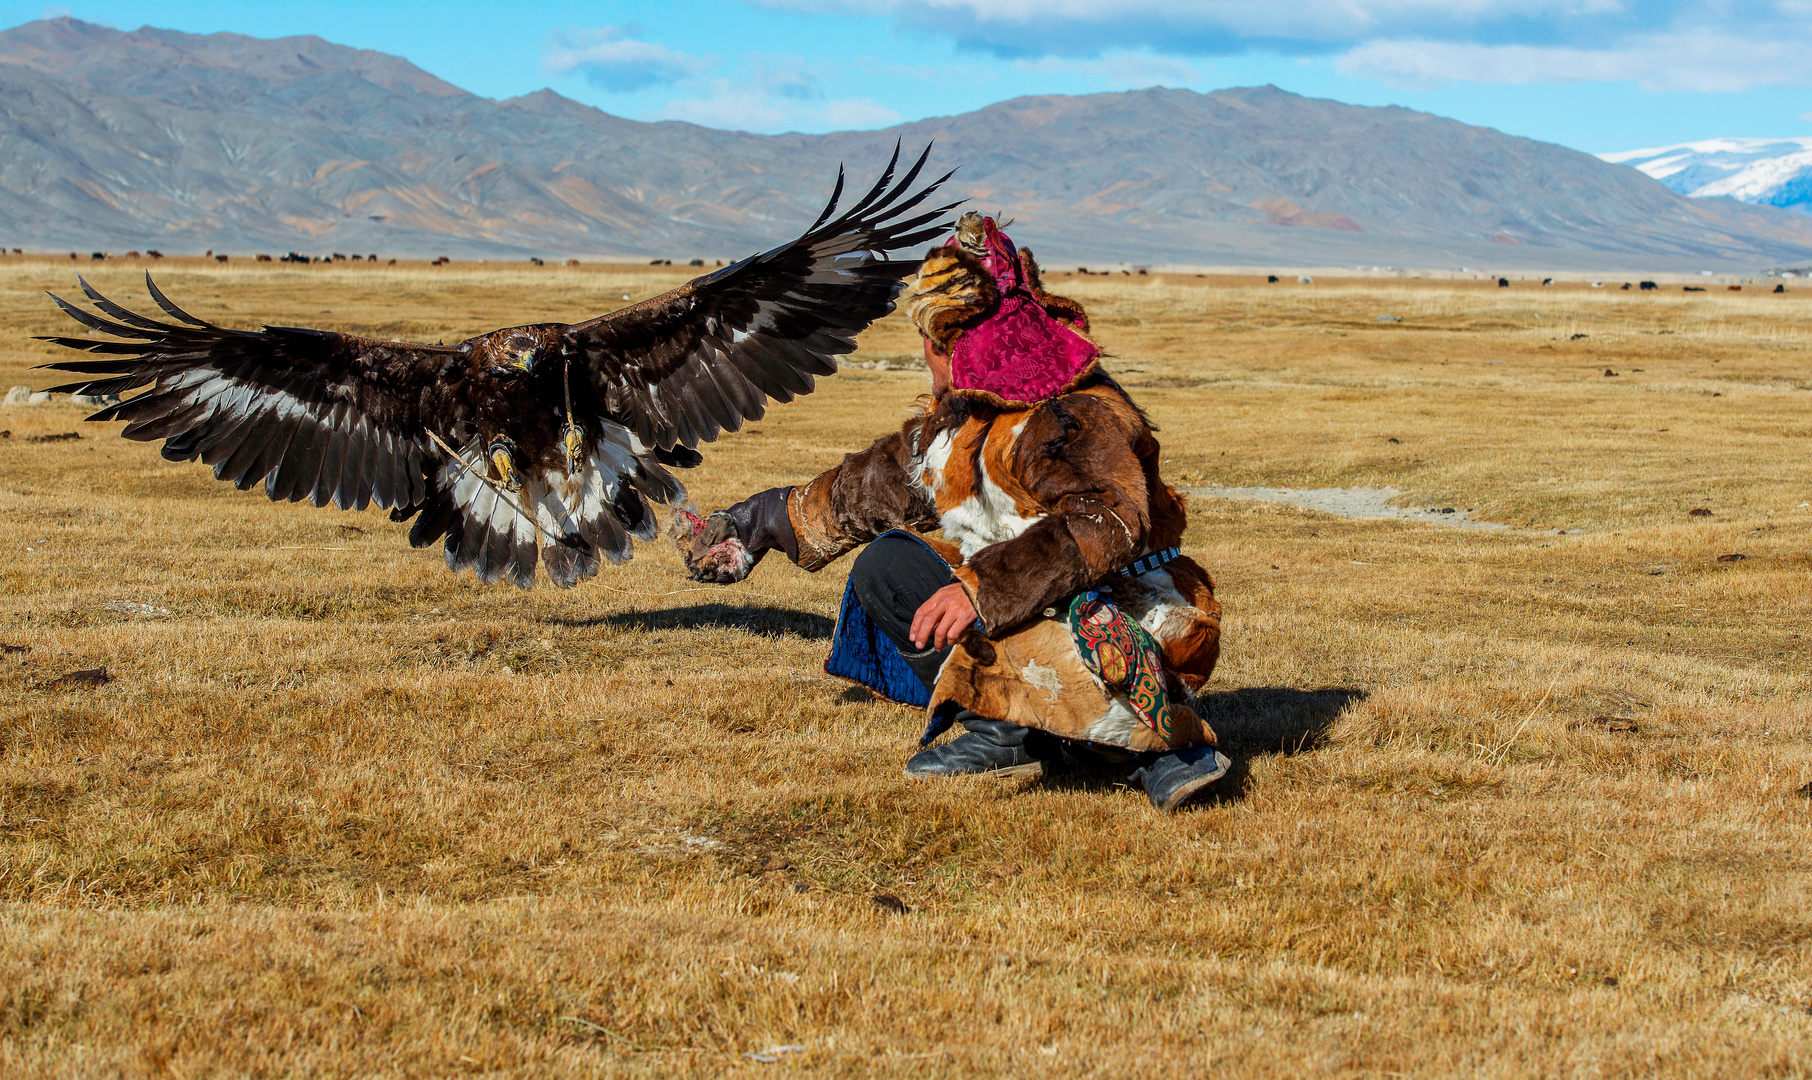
[1123, 656]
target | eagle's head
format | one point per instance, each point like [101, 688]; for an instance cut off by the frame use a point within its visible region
[519, 352]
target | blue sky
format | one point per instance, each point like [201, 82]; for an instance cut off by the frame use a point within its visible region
[1596, 75]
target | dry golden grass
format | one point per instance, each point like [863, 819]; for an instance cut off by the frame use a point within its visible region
[342, 813]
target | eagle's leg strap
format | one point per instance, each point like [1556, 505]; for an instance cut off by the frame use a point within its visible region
[571, 440]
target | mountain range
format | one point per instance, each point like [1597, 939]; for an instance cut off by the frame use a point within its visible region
[1770, 172]
[155, 138]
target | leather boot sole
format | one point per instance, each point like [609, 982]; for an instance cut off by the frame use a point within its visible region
[1028, 771]
[1197, 783]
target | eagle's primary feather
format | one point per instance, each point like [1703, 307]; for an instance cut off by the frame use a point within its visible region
[545, 443]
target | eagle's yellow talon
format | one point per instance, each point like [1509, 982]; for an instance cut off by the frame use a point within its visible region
[575, 449]
[504, 466]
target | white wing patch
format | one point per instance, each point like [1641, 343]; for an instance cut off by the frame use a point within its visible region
[320, 451]
[569, 522]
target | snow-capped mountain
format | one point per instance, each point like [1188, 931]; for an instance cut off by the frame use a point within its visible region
[1774, 172]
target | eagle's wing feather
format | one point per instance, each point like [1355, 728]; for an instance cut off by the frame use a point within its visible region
[311, 414]
[705, 357]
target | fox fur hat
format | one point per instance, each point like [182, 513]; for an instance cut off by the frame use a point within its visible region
[981, 299]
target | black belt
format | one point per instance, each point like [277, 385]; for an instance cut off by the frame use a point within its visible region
[1145, 564]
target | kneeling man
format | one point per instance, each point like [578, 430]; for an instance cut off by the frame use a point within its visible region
[1055, 620]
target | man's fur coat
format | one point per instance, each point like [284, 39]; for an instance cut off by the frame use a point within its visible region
[1036, 502]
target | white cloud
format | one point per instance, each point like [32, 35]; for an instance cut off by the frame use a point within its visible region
[728, 104]
[611, 58]
[947, 74]
[776, 92]
[1702, 63]
[766, 92]
[1265, 18]
[1663, 44]
[1302, 20]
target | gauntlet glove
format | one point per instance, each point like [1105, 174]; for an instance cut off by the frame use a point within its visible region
[728, 544]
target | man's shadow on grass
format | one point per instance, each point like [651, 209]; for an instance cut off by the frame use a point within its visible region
[754, 619]
[1253, 722]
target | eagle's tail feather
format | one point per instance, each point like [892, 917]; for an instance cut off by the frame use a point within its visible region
[602, 530]
[562, 564]
[632, 509]
[525, 553]
[572, 559]
[438, 514]
[465, 540]
[568, 523]
[496, 547]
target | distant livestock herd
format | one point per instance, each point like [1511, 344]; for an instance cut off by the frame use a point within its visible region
[372, 259]
[1504, 283]
[335, 257]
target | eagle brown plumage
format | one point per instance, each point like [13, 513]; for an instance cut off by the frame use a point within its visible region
[544, 443]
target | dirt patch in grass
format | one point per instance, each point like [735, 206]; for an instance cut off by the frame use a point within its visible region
[1368, 503]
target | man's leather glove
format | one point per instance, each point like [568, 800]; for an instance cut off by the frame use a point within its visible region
[725, 546]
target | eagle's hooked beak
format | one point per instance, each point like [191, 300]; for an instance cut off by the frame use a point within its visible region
[525, 360]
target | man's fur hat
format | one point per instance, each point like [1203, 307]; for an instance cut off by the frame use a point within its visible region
[981, 300]
[955, 291]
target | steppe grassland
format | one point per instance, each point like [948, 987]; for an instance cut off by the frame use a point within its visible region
[341, 812]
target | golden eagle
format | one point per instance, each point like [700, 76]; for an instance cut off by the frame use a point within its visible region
[543, 442]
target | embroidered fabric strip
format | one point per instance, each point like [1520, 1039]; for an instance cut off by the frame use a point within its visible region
[1123, 656]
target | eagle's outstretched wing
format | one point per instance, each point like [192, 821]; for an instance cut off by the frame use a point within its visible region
[312, 414]
[706, 356]
[542, 444]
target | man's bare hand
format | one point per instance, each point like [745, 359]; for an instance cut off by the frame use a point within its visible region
[943, 618]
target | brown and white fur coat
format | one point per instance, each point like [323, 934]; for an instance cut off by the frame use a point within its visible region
[1036, 503]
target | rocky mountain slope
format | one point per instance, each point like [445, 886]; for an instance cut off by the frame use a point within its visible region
[154, 138]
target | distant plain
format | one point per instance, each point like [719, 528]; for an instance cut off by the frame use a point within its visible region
[1535, 802]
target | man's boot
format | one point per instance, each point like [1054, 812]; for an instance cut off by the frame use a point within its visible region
[988, 748]
[1171, 779]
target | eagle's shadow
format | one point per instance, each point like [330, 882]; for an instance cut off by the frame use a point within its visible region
[1252, 722]
[754, 619]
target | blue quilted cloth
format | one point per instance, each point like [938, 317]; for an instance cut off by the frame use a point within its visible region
[861, 653]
